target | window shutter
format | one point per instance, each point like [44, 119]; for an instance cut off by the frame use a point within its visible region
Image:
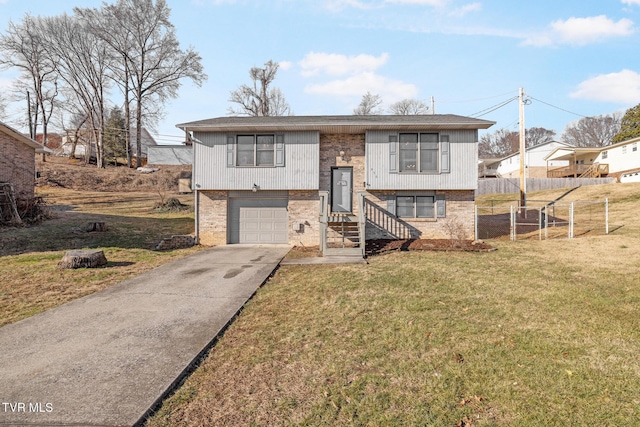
[441, 206]
[393, 156]
[445, 157]
[279, 150]
[391, 205]
[231, 147]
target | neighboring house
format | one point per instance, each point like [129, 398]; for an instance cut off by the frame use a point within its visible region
[324, 180]
[54, 140]
[621, 161]
[170, 155]
[488, 168]
[17, 161]
[85, 139]
[535, 161]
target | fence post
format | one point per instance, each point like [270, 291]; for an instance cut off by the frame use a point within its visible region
[606, 215]
[512, 225]
[540, 223]
[475, 231]
[571, 218]
[546, 222]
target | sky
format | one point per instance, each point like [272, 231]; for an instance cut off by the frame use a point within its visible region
[572, 58]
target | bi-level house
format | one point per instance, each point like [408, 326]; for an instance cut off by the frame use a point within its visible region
[333, 181]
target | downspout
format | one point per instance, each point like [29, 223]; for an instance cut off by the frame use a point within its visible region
[197, 216]
[194, 187]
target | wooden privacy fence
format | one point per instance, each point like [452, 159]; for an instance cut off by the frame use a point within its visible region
[512, 185]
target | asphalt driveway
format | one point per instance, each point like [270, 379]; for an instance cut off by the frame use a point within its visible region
[107, 358]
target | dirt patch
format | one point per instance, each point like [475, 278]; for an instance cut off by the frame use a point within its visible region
[381, 246]
[77, 175]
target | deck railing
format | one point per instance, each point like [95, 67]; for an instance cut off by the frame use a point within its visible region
[577, 170]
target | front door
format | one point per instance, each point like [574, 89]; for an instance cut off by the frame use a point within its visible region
[341, 190]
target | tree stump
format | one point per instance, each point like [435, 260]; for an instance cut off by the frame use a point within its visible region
[96, 226]
[87, 258]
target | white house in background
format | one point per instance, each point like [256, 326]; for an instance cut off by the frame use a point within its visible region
[535, 161]
[621, 161]
[84, 138]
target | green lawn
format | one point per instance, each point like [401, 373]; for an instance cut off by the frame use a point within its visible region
[536, 333]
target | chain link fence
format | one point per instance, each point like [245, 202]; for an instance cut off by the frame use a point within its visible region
[539, 219]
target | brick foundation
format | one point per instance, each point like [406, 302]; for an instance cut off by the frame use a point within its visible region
[459, 216]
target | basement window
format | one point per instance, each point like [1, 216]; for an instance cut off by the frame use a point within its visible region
[415, 206]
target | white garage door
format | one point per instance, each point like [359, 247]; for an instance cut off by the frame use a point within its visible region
[258, 221]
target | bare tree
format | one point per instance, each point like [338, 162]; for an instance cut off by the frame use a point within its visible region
[498, 144]
[503, 142]
[22, 47]
[3, 107]
[81, 62]
[408, 107]
[538, 135]
[597, 131]
[370, 104]
[259, 99]
[141, 35]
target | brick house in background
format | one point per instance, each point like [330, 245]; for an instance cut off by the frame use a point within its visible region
[17, 161]
[333, 181]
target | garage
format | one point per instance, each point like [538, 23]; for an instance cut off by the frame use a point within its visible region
[258, 220]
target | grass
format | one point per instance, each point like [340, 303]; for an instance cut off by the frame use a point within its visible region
[536, 333]
[32, 281]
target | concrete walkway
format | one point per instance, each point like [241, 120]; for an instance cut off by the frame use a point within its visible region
[106, 359]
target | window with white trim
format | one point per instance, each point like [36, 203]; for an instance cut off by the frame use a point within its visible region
[624, 149]
[634, 146]
[255, 150]
[605, 154]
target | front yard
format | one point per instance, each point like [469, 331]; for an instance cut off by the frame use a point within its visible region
[535, 333]
[31, 280]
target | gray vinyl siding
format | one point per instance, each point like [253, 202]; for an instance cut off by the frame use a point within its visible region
[463, 159]
[301, 168]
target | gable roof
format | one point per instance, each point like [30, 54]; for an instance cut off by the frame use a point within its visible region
[535, 147]
[8, 130]
[336, 124]
[569, 152]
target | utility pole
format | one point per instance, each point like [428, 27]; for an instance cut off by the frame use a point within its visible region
[523, 178]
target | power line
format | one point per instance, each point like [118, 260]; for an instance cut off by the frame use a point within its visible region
[556, 107]
[476, 100]
[493, 108]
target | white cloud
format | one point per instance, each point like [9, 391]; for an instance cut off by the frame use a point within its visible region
[463, 10]
[582, 31]
[338, 5]
[631, 2]
[336, 65]
[357, 85]
[435, 3]
[285, 65]
[622, 87]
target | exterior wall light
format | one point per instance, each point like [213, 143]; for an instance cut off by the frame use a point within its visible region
[255, 188]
